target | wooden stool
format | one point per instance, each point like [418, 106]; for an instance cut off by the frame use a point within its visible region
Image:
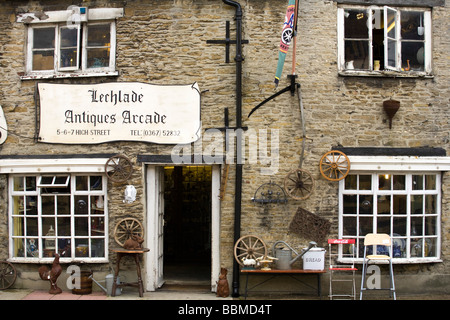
[132, 253]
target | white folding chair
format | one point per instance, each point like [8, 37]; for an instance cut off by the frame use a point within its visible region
[380, 239]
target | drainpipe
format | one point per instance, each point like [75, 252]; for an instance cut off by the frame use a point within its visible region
[238, 183]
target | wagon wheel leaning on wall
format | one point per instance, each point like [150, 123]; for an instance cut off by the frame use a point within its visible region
[118, 168]
[334, 165]
[249, 247]
[8, 275]
[126, 228]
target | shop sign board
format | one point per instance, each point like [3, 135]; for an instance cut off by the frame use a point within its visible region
[119, 111]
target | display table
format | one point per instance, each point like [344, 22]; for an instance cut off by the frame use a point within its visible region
[274, 273]
[131, 253]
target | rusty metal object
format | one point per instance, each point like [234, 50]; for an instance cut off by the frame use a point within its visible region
[310, 225]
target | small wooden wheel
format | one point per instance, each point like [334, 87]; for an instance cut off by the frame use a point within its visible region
[249, 247]
[8, 275]
[126, 228]
[119, 168]
[334, 165]
[299, 184]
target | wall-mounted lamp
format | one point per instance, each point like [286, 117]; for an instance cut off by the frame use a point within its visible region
[391, 107]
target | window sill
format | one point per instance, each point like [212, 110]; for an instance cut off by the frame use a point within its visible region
[63, 75]
[385, 74]
[394, 261]
[61, 260]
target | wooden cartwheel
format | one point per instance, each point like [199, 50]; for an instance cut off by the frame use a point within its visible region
[8, 275]
[126, 228]
[299, 184]
[249, 247]
[118, 168]
[334, 165]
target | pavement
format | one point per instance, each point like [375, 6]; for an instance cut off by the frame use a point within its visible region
[180, 294]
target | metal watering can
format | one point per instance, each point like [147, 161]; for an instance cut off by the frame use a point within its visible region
[284, 256]
[109, 284]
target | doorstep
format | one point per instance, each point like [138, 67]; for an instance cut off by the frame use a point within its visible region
[65, 295]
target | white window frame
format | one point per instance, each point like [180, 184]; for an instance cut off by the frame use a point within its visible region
[375, 165]
[64, 19]
[389, 70]
[56, 167]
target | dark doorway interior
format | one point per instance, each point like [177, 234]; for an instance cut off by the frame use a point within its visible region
[187, 224]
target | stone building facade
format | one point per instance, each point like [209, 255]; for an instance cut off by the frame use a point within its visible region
[167, 43]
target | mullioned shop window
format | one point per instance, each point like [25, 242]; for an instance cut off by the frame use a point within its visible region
[64, 214]
[384, 41]
[403, 205]
[71, 43]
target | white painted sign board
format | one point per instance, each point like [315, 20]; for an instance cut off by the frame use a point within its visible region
[119, 111]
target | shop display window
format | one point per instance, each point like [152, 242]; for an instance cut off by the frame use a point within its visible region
[405, 206]
[64, 214]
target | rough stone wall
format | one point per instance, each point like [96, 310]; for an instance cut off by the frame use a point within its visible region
[164, 42]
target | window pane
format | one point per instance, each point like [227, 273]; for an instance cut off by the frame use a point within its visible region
[392, 53]
[430, 204]
[399, 204]
[365, 182]
[384, 182]
[64, 226]
[350, 204]
[430, 182]
[69, 37]
[365, 204]
[43, 60]
[48, 205]
[417, 182]
[349, 226]
[430, 226]
[32, 227]
[81, 226]
[391, 23]
[357, 54]
[384, 225]
[97, 58]
[99, 35]
[68, 58]
[417, 204]
[413, 56]
[81, 205]
[365, 225]
[82, 183]
[350, 182]
[81, 248]
[96, 182]
[399, 182]
[43, 38]
[63, 203]
[356, 24]
[97, 248]
[399, 226]
[384, 205]
[412, 25]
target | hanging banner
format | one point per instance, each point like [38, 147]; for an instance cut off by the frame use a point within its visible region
[119, 111]
[286, 37]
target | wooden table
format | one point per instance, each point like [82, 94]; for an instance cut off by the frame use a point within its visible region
[274, 273]
[135, 254]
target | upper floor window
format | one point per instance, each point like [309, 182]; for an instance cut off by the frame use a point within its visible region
[383, 40]
[75, 42]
